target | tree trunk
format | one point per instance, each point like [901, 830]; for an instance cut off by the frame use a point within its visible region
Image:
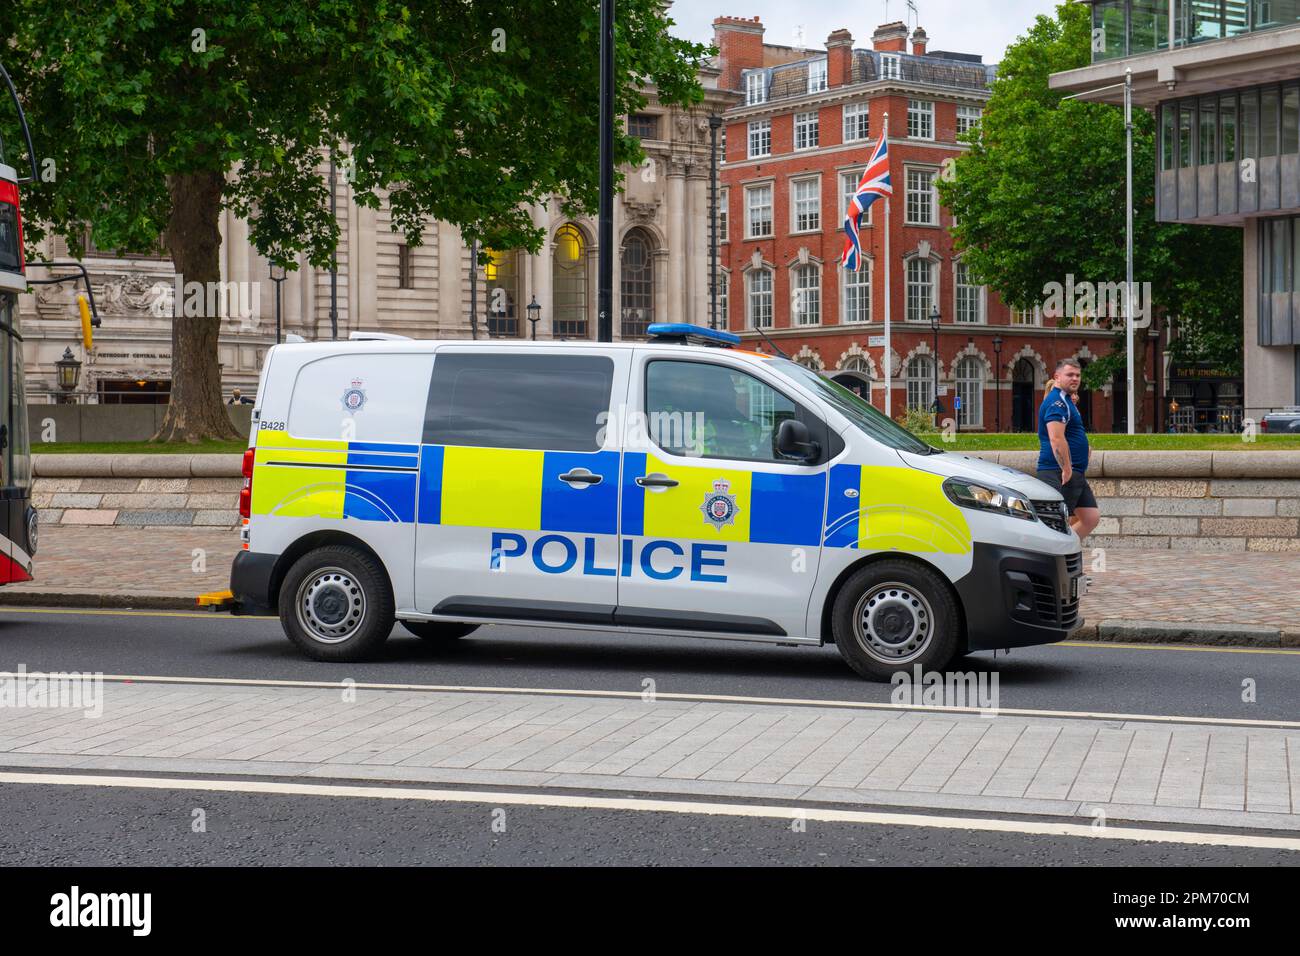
[197, 410]
[1140, 417]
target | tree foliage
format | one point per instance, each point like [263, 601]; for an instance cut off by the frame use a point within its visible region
[1040, 195]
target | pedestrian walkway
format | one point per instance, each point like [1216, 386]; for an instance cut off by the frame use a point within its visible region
[168, 567]
[1150, 769]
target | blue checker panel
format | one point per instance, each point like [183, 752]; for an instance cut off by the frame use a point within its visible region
[633, 494]
[589, 510]
[787, 509]
[841, 509]
[430, 484]
[379, 496]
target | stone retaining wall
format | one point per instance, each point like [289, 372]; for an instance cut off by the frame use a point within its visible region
[1203, 501]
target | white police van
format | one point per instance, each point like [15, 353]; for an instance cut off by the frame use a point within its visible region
[679, 486]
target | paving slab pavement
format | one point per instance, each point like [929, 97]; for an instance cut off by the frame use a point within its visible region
[1172, 770]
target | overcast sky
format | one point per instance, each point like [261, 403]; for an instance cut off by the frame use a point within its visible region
[985, 27]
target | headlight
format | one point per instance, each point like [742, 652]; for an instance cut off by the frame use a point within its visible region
[981, 497]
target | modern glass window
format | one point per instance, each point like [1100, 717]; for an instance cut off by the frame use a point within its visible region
[806, 297]
[502, 281]
[968, 117]
[1228, 128]
[806, 130]
[816, 76]
[1168, 136]
[1207, 148]
[922, 204]
[920, 289]
[760, 138]
[920, 119]
[970, 297]
[919, 378]
[758, 211]
[970, 389]
[569, 283]
[755, 88]
[738, 416]
[1184, 135]
[1268, 121]
[806, 201]
[1290, 120]
[509, 400]
[1249, 148]
[636, 284]
[857, 295]
[758, 298]
[857, 122]
[890, 66]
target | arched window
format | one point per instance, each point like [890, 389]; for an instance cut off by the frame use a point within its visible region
[970, 297]
[857, 295]
[919, 376]
[758, 298]
[502, 275]
[855, 363]
[970, 389]
[806, 301]
[636, 285]
[569, 283]
[1023, 371]
[920, 289]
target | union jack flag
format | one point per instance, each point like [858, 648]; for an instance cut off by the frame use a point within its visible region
[873, 184]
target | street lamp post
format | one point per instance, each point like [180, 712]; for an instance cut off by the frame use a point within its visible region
[715, 123]
[278, 275]
[934, 324]
[605, 219]
[69, 373]
[997, 388]
[534, 315]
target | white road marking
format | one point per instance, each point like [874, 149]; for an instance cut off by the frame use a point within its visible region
[822, 814]
[698, 698]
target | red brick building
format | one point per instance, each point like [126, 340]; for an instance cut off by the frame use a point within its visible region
[796, 142]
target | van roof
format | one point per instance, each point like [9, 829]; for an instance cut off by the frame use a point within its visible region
[361, 346]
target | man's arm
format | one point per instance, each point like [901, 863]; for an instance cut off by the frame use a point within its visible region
[1060, 449]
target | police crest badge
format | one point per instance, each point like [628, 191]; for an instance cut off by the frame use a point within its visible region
[719, 507]
[354, 397]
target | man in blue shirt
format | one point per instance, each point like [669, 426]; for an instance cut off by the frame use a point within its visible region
[1063, 447]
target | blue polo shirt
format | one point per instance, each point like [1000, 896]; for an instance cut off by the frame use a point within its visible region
[1057, 407]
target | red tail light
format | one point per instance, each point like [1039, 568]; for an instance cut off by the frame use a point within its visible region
[246, 493]
[1263, 424]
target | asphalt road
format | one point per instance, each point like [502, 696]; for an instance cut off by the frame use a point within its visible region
[1092, 678]
[92, 826]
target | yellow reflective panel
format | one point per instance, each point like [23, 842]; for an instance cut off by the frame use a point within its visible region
[678, 512]
[904, 509]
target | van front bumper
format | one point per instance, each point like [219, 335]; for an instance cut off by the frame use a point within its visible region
[1018, 598]
[250, 582]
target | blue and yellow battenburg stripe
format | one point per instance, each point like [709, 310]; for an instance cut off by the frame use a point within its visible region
[854, 506]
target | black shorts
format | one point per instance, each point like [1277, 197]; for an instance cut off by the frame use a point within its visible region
[1077, 493]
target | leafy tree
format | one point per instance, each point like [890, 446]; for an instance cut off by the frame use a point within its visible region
[154, 115]
[1040, 196]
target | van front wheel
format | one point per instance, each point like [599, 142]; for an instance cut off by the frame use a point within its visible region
[893, 615]
[336, 604]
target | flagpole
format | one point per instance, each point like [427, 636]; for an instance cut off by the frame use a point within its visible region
[888, 262]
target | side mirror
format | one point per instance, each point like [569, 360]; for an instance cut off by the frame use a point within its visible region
[794, 441]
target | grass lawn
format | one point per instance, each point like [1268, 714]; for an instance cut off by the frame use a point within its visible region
[1109, 442]
[138, 448]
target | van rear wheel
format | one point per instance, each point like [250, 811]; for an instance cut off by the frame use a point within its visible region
[336, 604]
[893, 615]
[437, 632]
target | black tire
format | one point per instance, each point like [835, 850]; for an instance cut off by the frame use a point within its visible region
[913, 620]
[336, 604]
[439, 632]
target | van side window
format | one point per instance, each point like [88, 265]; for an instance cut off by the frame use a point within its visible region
[499, 400]
[698, 409]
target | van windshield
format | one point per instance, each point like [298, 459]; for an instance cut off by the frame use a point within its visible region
[863, 415]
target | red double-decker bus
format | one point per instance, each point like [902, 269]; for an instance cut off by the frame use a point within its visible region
[18, 521]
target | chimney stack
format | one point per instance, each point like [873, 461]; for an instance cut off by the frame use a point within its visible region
[890, 37]
[919, 41]
[740, 47]
[839, 58]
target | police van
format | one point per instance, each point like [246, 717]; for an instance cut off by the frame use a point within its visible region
[677, 486]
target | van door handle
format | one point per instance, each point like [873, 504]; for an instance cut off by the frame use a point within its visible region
[581, 476]
[656, 481]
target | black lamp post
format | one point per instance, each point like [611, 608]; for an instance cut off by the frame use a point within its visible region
[278, 275]
[534, 315]
[934, 324]
[69, 373]
[997, 388]
[715, 123]
[1158, 373]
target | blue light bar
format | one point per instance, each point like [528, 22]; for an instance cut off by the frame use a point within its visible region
[688, 334]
